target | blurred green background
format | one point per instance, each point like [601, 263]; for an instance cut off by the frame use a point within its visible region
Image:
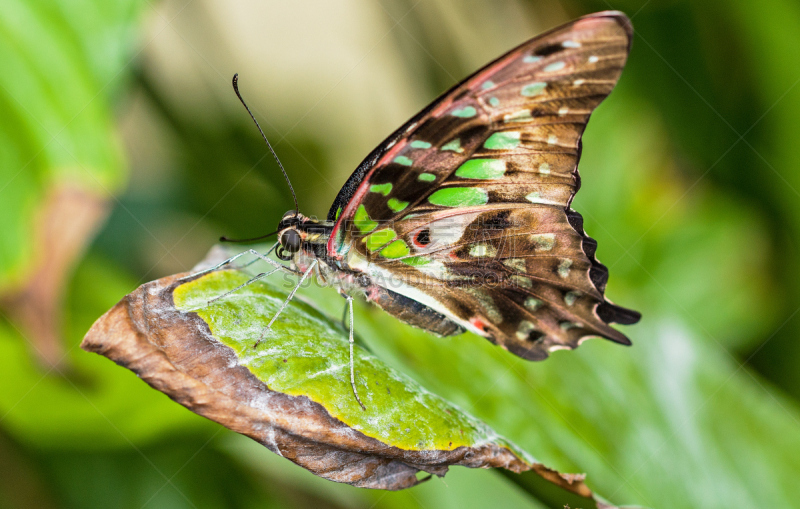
[124, 154]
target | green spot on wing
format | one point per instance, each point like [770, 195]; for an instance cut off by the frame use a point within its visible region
[453, 145]
[416, 260]
[307, 355]
[420, 144]
[459, 197]
[396, 249]
[482, 169]
[338, 213]
[396, 205]
[465, 112]
[487, 84]
[426, 177]
[494, 101]
[503, 140]
[405, 161]
[379, 238]
[362, 220]
[533, 89]
[384, 189]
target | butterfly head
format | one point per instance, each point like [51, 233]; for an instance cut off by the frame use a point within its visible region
[297, 233]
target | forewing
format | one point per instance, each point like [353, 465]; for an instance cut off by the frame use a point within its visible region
[468, 203]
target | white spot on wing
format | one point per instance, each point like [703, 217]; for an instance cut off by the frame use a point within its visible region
[517, 264]
[482, 250]
[518, 116]
[564, 267]
[444, 232]
[532, 303]
[535, 197]
[487, 303]
[555, 66]
[571, 297]
[524, 330]
[524, 282]
[543, 241]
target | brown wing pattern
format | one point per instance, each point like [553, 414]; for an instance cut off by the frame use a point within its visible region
[467, 206]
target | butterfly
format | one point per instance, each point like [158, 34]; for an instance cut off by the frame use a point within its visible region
[461, 219]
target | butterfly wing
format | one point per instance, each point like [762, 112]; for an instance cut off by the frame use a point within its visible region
[466, 208]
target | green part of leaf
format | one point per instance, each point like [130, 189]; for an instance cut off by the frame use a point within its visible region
[306, 355]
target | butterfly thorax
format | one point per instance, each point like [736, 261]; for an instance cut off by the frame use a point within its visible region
[302, 240]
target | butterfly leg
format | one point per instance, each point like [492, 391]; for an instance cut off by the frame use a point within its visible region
[236, 257]
[215, 267]
[275, 264]
[249, 281]
[352, 341]
[286, 302]
[344, 315]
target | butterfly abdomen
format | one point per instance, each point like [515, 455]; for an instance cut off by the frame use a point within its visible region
[413, 313]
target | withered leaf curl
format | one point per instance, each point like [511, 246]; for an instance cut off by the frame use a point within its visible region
[176, 353]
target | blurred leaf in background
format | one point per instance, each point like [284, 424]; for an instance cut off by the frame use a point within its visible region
[690, 186]
[61, 163]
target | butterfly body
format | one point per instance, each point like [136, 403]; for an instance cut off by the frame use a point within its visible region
[462, 218]
[369, 282]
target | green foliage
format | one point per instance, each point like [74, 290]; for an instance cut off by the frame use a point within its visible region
[94, 404]
[63, 66]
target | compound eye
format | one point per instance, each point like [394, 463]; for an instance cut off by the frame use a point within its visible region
[291, 240]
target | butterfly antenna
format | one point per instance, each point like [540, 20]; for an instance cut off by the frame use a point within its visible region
[285, 175]
[226, 239]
